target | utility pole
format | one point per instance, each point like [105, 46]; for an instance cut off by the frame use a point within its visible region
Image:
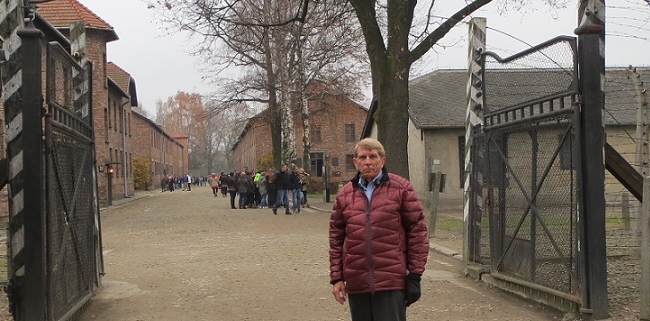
[642, 156]
[592, 248]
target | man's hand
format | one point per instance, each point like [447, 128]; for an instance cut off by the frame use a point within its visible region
[412, 288]
[339, 292]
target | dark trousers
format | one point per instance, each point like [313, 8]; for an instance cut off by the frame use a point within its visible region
[232, 198]
[243, 200]
[380, 306]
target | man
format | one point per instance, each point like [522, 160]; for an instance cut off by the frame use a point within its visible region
[188, 182]
[295, 186]
[378, 240]
[282, 186]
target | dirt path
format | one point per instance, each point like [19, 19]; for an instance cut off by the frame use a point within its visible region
[188, 256]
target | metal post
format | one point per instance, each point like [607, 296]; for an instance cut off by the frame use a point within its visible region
[642, 157]
[473, 184]
[593, 248]
[32, 306]
[434, 181]
[109, 190]
[326, 175]
[625, 210]
[645, 252]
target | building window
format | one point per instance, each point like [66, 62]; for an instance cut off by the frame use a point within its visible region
[315, 134]
[349, 162]
[350, 136]
[335, 161]
[108, 115]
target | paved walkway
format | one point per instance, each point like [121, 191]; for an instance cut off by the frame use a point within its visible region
[188, 256]
[449, 243]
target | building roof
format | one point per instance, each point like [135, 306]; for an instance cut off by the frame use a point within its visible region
[154, 126]
[177, 134]
[439, 99]
[62, 13]
[123, 80]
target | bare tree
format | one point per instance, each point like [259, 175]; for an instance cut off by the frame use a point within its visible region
[276, 60]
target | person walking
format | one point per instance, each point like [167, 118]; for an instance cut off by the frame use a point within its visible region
[188, 182]
[282, 187]
[378, 240]
[214, 184]
[242, 189]
[295, 186]
[232, 188]
[261, 185]
[271, 190]
[170, 183]
[304, 179]
[223, 182]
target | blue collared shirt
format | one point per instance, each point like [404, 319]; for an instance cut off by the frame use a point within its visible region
[369, 187]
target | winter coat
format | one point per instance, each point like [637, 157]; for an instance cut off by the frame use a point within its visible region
[241, 184]
[231, 182]
[374, 246]
[262, 183]
[281, 180]
[294, 182]
[214, 181]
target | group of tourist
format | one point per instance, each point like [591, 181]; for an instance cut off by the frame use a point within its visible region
[268, 189]
[184, 182]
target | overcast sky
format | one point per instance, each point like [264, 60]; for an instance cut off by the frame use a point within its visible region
[161, 65]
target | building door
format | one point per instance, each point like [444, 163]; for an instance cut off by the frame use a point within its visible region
[316, 166]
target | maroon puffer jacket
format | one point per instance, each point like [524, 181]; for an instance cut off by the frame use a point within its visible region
[372, 246]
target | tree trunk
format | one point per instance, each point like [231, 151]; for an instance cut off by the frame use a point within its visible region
[392, 124]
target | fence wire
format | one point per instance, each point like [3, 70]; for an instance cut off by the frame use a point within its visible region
[532, 181]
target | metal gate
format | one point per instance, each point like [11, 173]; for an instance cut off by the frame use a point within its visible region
[72, 233]
[55, 240]
[530, 167]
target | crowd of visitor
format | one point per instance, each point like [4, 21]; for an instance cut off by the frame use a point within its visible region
[251, 189]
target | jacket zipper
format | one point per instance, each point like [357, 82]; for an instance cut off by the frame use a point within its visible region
[370, 267]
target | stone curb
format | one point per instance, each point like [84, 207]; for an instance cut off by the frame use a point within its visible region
[445, 251]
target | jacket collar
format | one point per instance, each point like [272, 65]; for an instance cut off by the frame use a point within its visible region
[383, 179]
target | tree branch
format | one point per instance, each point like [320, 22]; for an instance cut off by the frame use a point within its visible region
[444, 28]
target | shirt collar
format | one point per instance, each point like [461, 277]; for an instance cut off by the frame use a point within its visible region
[375, 181]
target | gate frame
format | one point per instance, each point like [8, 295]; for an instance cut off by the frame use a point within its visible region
[27, 287]
[590, 181]
[31, 299]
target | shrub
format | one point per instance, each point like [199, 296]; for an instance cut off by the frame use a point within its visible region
[141, 170]
[265, 162]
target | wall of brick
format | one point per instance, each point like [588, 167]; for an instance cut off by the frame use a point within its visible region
[150, 142]
[331, 113]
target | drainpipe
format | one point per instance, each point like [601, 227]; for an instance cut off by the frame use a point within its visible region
[126, 191]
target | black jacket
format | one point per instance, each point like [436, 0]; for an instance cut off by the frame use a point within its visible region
[282, 180]
[295, 182]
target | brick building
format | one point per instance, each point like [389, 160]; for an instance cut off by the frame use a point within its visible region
[117, 131]
[184, 158]
[120, 133]
[152, 143]
[109, 111]
[335, 127]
